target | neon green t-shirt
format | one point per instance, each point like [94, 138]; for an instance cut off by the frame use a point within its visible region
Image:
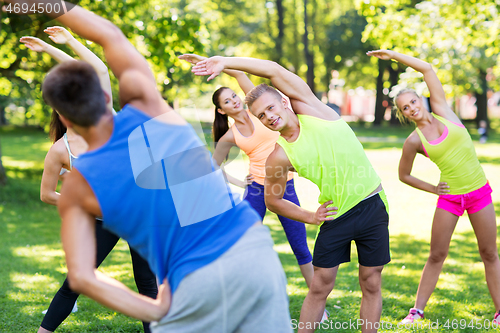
[329, 154]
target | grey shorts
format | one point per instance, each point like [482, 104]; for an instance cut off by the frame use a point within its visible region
[242, 291]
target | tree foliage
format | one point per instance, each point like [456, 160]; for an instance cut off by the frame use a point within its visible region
[151, 26]
[459, 37]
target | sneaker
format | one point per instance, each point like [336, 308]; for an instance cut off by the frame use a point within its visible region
[496, 319]
[412, 316]
[326, 314]
[75, 309]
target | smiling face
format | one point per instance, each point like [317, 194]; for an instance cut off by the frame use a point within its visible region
[271, 111]
[229, 103]
[410, 105]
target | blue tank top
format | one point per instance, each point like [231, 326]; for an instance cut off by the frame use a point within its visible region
[160, 191]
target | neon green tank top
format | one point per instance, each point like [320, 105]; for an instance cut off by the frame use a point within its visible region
[329, 154]
[456, 158]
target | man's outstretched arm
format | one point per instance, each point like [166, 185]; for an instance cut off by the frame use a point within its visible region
[287, 82]
[137, 83]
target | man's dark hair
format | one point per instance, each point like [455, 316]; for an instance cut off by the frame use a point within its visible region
[73, 89]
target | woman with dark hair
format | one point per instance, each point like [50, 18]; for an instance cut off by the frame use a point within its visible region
[442, 138]
[67, 146]
[257, 141]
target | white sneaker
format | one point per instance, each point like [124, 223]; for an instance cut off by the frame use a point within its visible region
[75, 309]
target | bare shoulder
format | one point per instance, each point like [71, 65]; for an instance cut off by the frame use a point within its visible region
[413, 143]
[76, 192]
[278, 158]
[277, 166]
[228, 137]
[57, 154]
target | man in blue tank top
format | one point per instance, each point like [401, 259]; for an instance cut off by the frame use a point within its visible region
[153, 181]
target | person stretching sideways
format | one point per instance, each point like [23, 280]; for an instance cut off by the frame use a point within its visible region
[315, 142]
[66, 148]
[463, 186]
[153, 181]
[257, 141]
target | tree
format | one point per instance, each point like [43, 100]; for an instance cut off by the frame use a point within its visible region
[3, 174]
[150, 26]
[307, 53]
[458, 37]
[281, 30]
[380, 96]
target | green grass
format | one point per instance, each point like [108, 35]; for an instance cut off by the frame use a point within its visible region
[33, 266]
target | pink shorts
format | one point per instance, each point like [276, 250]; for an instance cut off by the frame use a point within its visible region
[471, 202]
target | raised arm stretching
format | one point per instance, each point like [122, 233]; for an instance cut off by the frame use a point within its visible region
[137, 83]
[287, 82]
[302, 99]
[244, 82]
[227, 141]
[78, 205]
[437, 94]
[59, 35]
[38, 45]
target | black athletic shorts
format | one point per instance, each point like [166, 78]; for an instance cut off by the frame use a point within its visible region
[367, 224]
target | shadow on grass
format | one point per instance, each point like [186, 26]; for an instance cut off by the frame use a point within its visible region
[461, 292]
[33, 266]
[23, 144]
[30, 277]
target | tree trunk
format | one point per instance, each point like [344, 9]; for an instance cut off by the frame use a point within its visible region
[308, 55]
[281, 31]
[482, 100]
[379, 107]
[393, 77]
[3, 120]
[295, 56]
[3, 175]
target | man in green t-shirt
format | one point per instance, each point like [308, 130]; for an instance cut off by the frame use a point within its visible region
[321, 147]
